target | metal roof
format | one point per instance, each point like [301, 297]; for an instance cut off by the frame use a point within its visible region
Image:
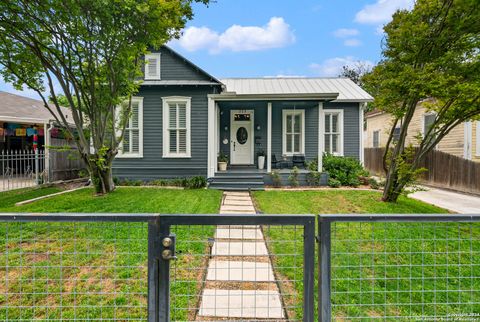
[341, 89]
[16, 108]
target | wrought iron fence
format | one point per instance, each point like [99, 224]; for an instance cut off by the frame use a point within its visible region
[399, 267]
[21, 169]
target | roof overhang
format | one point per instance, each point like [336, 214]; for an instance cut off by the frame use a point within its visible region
[230, 96]
[25, 120]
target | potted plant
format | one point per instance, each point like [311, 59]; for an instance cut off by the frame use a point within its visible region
[261, 159]
[222, 161]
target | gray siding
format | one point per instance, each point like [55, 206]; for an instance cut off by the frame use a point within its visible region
[174, 67]
[152, 165]
[351, 140]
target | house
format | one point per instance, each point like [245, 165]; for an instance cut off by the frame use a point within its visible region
[183, 118]
[461, 141]
[21, 120]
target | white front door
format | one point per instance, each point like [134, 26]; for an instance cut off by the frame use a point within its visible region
[241, 137]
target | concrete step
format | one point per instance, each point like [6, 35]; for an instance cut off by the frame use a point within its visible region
[240, 271]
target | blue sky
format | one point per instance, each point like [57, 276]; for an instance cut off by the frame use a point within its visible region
[258, 38]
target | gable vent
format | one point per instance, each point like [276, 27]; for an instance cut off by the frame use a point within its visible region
[152, 66]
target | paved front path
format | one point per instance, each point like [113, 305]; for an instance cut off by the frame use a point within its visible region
[240, 281]
[453, 201]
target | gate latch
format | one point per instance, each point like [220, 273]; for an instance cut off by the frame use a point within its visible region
[168, 252]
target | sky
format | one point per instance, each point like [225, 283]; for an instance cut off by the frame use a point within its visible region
[281, 38]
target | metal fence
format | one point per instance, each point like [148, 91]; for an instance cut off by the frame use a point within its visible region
[21, 169]
[399, 267]
[119, 267]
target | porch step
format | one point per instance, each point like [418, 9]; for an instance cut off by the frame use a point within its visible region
[237, 186]
[237, 178]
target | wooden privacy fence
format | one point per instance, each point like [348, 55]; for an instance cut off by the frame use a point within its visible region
[444, 170]
[64, 164]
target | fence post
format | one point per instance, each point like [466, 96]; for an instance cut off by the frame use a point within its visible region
[164, 278]
[308, 271]
[153, 267]
[36, 167]
[324, 265]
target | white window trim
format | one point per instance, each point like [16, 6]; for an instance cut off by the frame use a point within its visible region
[122, 154]
[158, 58]
[284, 131]
[340, 122]
[165, 116]
[423, 121]
[477, 140]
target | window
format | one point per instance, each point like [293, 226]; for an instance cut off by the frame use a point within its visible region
[333, 132]
[152, 66]
[176, 127]
[376, 139]
[428, 120]
[132, 144]
[293, 132]
[396, 134]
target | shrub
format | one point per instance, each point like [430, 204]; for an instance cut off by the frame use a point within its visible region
[313, 178]
[293, 177]
[276, 179]
[312, 165]
[344, 169]
[373, 183]
[334, 183]
[197, 182]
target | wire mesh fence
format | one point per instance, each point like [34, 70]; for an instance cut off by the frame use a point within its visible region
[73, 271]
[386, 270]
[21, 169]
[237, 272]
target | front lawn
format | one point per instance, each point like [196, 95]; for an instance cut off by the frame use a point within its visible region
[383, 269]
[94, 270]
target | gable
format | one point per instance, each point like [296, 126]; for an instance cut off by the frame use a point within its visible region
[174, 67]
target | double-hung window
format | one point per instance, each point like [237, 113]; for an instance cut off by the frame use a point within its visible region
[132, 144]
[376, 139]
[334, 132]
[293, 132]
[152, 66]
[176, 127]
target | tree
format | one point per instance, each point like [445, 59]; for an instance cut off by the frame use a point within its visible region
[356, 72]
[431, 55]
[86, 54]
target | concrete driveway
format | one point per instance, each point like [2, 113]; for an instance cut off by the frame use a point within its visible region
[452, 201]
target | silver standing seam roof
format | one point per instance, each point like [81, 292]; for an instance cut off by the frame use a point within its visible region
[346, 89]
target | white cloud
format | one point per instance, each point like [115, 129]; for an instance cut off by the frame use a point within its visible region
[381, 11]
[345, 32]
[353, 42]
[276, 33]
[333, 66]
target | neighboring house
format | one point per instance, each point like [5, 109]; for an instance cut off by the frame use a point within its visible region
[183, 118]
[22, 117]
[461, 141]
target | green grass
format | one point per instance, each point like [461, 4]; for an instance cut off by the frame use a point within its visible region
[94, 270]
[383, 263]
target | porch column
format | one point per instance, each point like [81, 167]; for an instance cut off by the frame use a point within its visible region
[211, 158]
[361, 154]
[321, 136]
[269, 137]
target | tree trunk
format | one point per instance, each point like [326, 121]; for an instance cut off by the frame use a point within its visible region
[391, 185]
[102, 178]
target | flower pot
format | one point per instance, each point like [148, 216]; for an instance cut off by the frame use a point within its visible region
[222, 166]
[261, 162]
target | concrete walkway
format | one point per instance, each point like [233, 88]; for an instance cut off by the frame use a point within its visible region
[240, 281]
[452, 201]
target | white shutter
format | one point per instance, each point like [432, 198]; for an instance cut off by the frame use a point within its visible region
[132, 144]
[176, 123]
[152, 66]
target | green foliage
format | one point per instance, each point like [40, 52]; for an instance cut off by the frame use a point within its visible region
[86, 56]
[373, 183]
[344, 169]
[312, 165]
[196, 182]
[334, 183]
[277, 180]
[313, 178]
[222, 157]
[430, 57]
[293, 177]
